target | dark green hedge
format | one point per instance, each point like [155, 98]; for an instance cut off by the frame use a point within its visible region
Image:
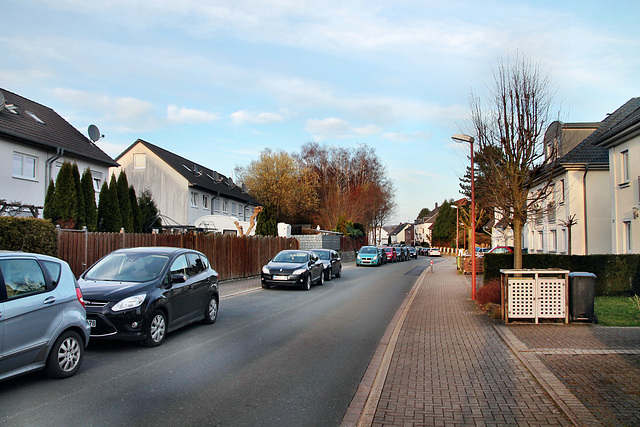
[616, 274]
[28, 235]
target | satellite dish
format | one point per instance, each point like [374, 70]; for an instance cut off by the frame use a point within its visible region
[94, 133]
[3, 101]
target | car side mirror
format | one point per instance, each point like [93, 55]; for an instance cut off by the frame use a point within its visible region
[178, 278]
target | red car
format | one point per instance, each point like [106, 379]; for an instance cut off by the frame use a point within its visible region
[391, 254]
[501, 250]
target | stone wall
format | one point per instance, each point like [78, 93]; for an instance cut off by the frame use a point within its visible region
[319, 241]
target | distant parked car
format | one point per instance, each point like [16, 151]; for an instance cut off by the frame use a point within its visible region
[332, 262]
[501, 250]
[43, 322]
[368, 255]
[382, 254]
[391, 254]
[141, 294]
[433, 252]
[399, 253]
[293, 268]
[413, 252]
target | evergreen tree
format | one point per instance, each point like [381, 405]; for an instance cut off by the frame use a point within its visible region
[148, 212]
[80, 210]
[135, 210]
[89, 196]
[114, 223]
[49, 211]
[444, 227]
[124, 202]
[103, 202]
[64, 200]
[267, 221]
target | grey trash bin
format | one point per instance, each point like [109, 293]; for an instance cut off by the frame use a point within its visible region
[582, 292]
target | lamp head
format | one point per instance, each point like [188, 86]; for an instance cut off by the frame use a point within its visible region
[463, 138]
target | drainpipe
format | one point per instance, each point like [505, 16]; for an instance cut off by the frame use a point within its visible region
[47, 167]
[584, 197]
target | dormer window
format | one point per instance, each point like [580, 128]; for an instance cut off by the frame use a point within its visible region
[34, 117]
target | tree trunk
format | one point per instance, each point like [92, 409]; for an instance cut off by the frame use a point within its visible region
[517, 242]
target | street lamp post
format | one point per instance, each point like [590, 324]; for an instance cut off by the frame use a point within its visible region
[457, 224]
[469, 139]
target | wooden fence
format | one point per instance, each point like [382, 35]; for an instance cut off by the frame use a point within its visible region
[231, 256]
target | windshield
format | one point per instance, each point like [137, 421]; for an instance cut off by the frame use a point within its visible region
[368, 250]
[292, 257]
[133, 267]
[322, 254]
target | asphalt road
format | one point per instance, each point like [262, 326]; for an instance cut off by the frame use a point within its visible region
[274, 357]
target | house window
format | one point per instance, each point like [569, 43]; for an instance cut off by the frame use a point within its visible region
[24, 166]
[205, 202]
[241, 213]
[553, 241]
[561, 192]
[225, 207]
[565, 241]
[627, 236]
[624, 159]
[233, 208]
[139, 161]
[194, 199]
[216, 205]
[97, 181]
[540, 241]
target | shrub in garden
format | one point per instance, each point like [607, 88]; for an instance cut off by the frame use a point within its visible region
[489, 293]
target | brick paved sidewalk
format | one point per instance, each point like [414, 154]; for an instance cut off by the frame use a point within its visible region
[451, 367]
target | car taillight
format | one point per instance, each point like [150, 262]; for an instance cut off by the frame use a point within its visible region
[79, 295]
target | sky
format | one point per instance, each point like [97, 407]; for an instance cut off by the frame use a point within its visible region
[218, 81]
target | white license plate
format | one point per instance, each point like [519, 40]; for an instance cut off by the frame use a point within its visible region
[91, 323]
[280, 277]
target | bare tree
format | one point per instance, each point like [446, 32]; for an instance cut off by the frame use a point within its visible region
[510, 133]
[569, 222]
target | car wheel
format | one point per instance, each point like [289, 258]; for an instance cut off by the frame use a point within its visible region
[65, 356]
[321, 278]
[339, 273]
[307, 282]
[211, 312]
[328, 275]
[265, 286]
[156, 329]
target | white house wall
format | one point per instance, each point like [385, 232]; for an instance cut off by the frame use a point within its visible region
[590, 236]
[168, 188]
[626, 197]
[33, 191]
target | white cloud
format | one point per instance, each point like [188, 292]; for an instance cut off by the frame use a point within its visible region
[407, 136]
[338, 128]
[189, 116]
[243, 116]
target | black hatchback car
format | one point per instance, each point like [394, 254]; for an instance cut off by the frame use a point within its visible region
[293, 268]
[332, 262]
[144, 293]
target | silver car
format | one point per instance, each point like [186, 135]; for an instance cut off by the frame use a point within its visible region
[43, 323]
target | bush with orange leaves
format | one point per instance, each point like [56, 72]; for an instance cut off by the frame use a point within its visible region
[489, 293]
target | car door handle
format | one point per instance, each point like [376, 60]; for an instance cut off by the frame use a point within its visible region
[1, 315]
[49, 300]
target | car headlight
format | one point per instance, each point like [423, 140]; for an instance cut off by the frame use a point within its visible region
[128, 303]
[375, 257]
[265, 270]
[359, 256]
[299, 272]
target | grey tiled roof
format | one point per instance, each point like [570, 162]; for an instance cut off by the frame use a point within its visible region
[623, 118]
[197, 174]
[51, 133]
[591, 150]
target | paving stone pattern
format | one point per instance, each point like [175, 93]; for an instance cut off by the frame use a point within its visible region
[450, 367]
[599, 365]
